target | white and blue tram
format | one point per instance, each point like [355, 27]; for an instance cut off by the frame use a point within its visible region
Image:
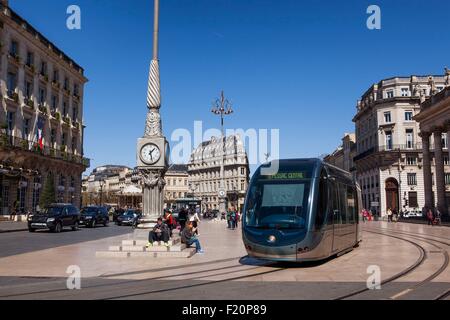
[305, 211]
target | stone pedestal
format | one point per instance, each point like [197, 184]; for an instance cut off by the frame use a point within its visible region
[153, 196]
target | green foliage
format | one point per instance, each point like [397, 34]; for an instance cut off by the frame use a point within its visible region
[48, 194]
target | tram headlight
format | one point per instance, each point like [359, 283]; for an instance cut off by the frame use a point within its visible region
[272, 239]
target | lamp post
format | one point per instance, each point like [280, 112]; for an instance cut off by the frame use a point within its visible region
[102, 184]
[223, 108]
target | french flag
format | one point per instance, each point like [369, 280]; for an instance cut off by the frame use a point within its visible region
[40, 132]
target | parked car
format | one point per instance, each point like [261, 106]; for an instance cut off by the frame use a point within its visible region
[130, 217]
[415, 213]
[117, 213]
[55, 218]
[93, 215]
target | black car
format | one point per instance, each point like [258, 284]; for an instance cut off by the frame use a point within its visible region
[55, 218]
[93, 215]
[130, 217]
[117, 213]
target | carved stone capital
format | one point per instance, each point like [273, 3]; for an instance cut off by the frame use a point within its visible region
[152, 179]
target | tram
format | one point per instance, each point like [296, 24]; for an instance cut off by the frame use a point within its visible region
[301, 210]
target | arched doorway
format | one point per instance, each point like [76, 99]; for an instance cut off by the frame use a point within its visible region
[392, 196]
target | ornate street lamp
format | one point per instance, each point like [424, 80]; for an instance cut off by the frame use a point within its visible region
[102, 184]
[223, 108]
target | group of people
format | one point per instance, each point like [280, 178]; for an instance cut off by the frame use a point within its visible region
[233, 218]
[433, 218]
[366, 215]
[163, 229]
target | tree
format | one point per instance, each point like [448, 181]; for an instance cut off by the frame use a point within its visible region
[48, 195]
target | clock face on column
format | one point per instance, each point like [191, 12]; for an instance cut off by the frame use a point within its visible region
[150, 153]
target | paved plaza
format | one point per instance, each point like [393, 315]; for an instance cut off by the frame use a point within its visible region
[413, 260]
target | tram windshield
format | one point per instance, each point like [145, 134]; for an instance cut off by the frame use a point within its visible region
[279, 201]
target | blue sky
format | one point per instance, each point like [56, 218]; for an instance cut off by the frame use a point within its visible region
[298, 66]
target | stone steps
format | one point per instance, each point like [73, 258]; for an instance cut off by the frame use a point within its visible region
[137, 248]
[176, 248]
[186, 253]
[143, 243]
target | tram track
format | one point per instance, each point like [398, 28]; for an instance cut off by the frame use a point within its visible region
[166, 277]
[423, 256]
[255, 271]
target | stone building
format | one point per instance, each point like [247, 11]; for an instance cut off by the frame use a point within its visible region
[389, 158]
[204, 171]
[114, 182]
[104, 183]
[434, 120]
[177, 184]
[343, 156]
[41, 92]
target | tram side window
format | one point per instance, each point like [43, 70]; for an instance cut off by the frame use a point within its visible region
[331, 197]
[351, 205]
[336, 210]
[343, 202]
[322, 201]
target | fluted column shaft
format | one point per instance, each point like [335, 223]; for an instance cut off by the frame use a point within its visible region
[427, 178]
[440, 174]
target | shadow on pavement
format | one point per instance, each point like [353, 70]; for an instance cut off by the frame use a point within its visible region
[23, 242]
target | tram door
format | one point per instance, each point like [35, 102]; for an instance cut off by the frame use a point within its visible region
[337, 218]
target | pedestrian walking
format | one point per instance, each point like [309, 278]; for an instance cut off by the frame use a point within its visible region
[389, 214]
[229, 219]
[233, 218]
[238, 218]
[437, 219]
[394, 216]
[430, 217]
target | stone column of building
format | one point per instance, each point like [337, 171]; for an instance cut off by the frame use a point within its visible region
[448, 138]
[427, 178]
[440, 174]
[29, 194]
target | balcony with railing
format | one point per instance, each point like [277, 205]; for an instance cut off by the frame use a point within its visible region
[413, 147]
[12, 142]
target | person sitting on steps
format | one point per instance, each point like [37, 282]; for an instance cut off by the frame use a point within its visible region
[189, 238]
[160, 232]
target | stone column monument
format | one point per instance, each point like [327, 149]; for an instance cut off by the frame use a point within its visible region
[153, 148]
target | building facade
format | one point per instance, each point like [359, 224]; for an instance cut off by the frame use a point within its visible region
[115, 184]
[177, 184]
[41, 117]
[434, 119]
[389, 160]
[104, 184]
[204, 171]
[343, 156]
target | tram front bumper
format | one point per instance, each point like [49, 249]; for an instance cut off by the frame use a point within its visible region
[284, 253]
